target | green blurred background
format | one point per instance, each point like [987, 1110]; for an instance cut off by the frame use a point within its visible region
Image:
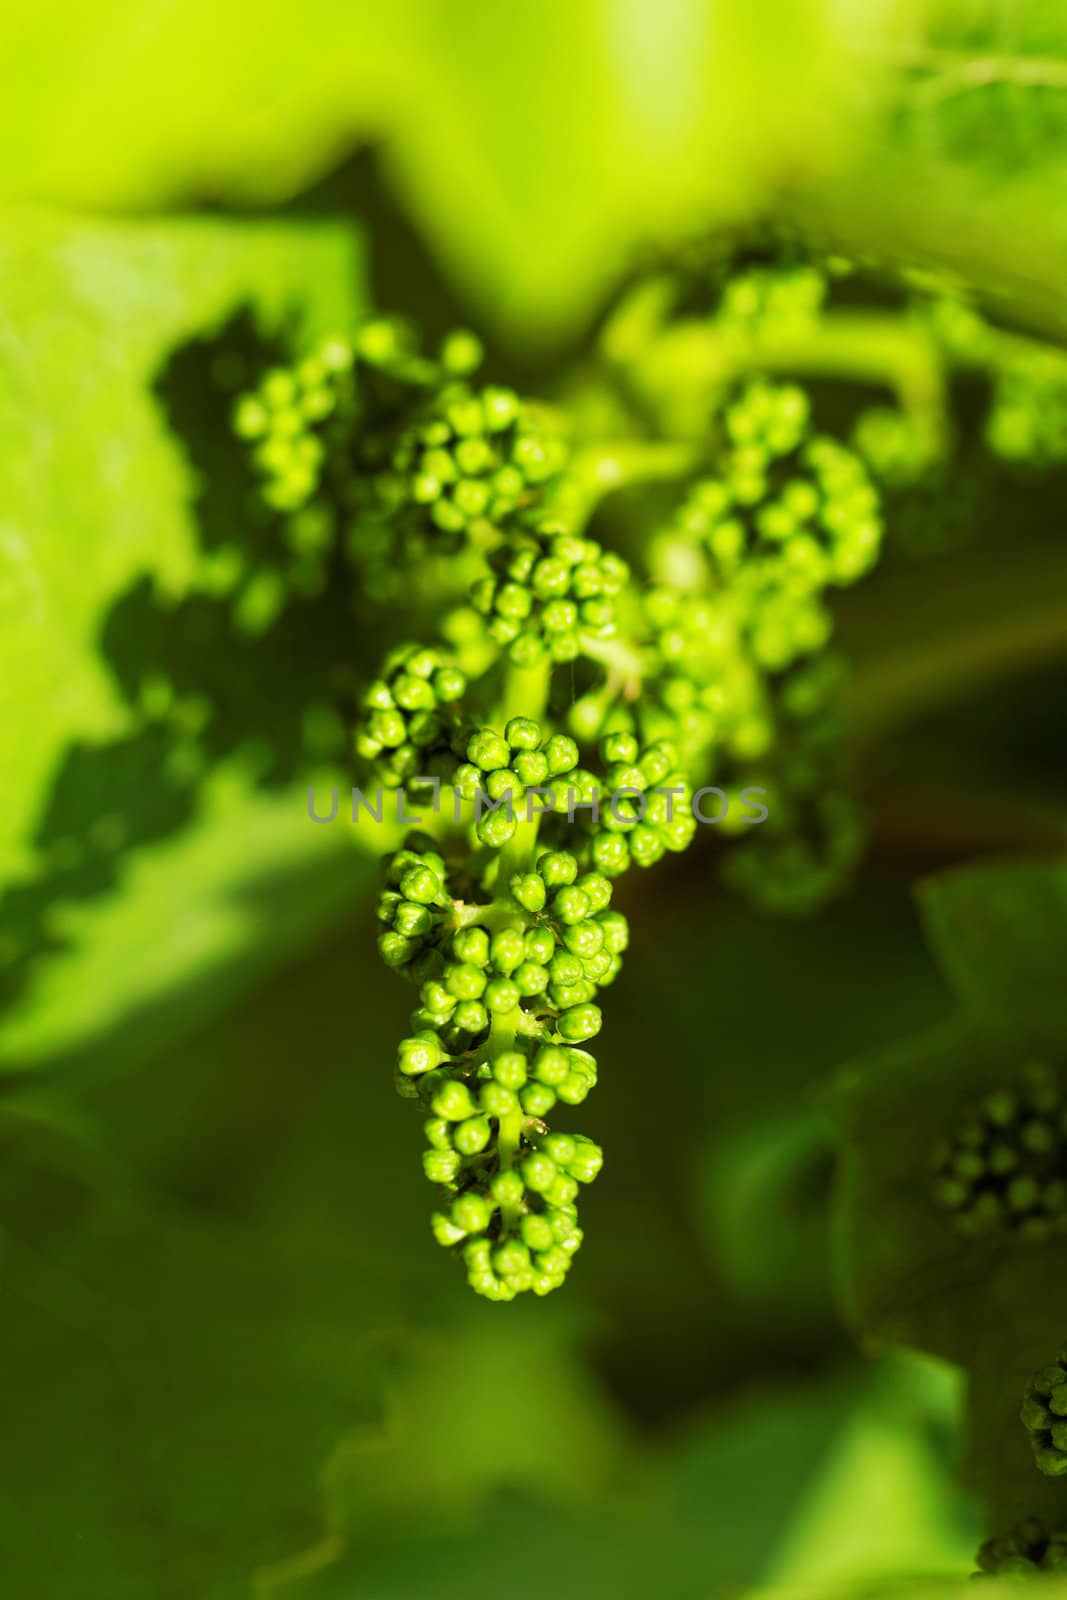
[233, 1360]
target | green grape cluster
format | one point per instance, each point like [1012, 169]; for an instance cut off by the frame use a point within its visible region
[411, 723]
[398, 451]
[782, 302]
[799, 501]
[1044, 1416]
[1006, 1165]
[744, 657]
[579, 722]
[645, 808]
[1028, 1550]
[359, 386]
[470, 458]
[503, 767]
[704, 689]
[1027, 421]
[416, 907]
[815, 830]
[545, 589]
[899, 453]
[506, 1000]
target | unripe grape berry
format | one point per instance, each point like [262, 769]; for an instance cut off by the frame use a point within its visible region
[570, 904]
[470, 1213]
[580, 1023]
[507, 950]
[471, 946]
[537, 1232]
[470, 1016]
[557, 868]
[502, 995]
[441, 1166]
[496, 828]
[507, 1189]
[539, 1173]
[509, 1069]
[537, 1099]
[529, 890]
[561, 753]
[522, 733]
[550, 1065]
[465, 981]
[562, 1190]
[586, 1162]
[453, 1102]
[420, 1054]
[487, 750]
[472, 1136]
[497, 1101]
[539, 944]
[531, 979]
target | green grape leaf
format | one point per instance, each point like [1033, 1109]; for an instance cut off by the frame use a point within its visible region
[120, 344]
[885, 1504]
[177, 1386]
[196, 1269]
[198, 920]
[902, 1589]
[538, 147]
[995, 1304]
[458, 1426]
[999, 938]
[566, 1483]
[975, 100]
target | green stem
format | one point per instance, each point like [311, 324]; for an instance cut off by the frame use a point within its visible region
[617, 655]
[683, 370]
[605, 468]
[509, 1130]
[525, 692]
[525, 695]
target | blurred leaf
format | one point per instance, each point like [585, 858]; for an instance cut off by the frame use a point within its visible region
[997, 1305]
[177, 1385]
[459, 1426]
[539, 146]
[697, 1516]
[972, 148]
[885, 1505]
[904, 1589]
[99, 494]
[197, 921]
[761, 1193]
[1000, 936]
[196, 1270]
[555, 142]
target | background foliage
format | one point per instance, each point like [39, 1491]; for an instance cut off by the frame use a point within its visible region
[235, 1362]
